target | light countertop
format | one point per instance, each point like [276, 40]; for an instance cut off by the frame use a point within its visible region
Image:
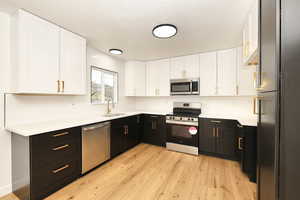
[245, 121]
[48, 126]
[53, 125]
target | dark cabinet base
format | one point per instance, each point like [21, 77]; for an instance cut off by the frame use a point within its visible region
[42, 164]
[218, 137]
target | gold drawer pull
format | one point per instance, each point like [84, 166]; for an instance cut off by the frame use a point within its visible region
[61, 147]
[61, 134]
[60, 169]
[215, 121]
[240, 143]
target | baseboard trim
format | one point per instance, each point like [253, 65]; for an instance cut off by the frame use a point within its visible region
[5, 190]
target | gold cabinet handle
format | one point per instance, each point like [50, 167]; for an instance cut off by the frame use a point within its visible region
[61, 147]
[61, 134]
[217, 132]
[63, 86]
[240, 143]
[254, 105]
[215, 121]
[60, 169]
[214, 132]
[58, 86]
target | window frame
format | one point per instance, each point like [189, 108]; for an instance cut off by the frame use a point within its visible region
[116, 99]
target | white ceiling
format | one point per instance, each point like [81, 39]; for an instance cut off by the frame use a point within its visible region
[203, 25]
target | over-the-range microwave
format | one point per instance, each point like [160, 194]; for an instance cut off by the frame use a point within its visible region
[185, 86]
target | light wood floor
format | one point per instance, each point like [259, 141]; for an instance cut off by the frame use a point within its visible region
[150, 173]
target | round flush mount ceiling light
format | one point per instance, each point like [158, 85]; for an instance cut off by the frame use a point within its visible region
[116, 51]
[164, 31]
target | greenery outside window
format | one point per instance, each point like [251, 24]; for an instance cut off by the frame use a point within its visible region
[104, 86]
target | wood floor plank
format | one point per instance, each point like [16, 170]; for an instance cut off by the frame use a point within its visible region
[153, 173]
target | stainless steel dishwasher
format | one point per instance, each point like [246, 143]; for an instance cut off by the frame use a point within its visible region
[95, 145]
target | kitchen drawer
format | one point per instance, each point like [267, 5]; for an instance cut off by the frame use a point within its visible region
[46, 179]
[221, 122]
[55, 146]
[52, 153]
[56, 137]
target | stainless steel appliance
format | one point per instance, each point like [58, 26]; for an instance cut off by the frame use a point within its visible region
[185, 86]
[95, 145]
[182, 127]
[279, 97]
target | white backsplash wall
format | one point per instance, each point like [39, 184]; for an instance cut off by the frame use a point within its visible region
[235, 106]
[5, 137]
[34, 108]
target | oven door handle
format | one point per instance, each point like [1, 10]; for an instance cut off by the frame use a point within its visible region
[168, 122]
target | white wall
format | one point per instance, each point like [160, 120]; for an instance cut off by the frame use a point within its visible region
[5, 139]
[29, 109]
[233, 106]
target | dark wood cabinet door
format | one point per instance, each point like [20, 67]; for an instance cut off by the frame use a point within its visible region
[154, 130]
[206, 138]
[117, 137]
[132, 127]
[226, 139]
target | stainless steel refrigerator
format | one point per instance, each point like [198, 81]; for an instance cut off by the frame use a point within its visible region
[279, 98]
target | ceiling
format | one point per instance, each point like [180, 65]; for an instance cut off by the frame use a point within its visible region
[203, 25]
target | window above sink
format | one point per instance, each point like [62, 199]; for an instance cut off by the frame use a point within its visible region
[104, 85]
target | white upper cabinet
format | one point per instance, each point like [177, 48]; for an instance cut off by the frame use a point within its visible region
[43, 55]
[245, 76]
[135, 78]
[184, 67]
[72, 63]
[227, 70]
[158, 78]
[35, 55]
[208, 74]
[250, 36]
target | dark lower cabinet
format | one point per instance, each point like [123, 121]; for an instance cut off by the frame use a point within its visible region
[124, 134]
[44, 163]
[154, 131]
[218, 137]
[247, 150]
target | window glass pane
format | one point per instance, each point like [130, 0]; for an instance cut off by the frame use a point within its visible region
[104, 85]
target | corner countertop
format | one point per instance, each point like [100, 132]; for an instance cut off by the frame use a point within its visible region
[36, 128]
[243, 120]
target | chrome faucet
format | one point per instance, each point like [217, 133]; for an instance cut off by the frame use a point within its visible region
[108, 99]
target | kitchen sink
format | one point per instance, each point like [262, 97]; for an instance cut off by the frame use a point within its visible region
[113, 114]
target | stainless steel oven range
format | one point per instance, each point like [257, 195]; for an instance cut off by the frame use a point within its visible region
[182, 127]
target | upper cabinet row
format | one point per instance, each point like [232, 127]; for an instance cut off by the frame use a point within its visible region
[46, 59]
[250, 36]
[221, 73]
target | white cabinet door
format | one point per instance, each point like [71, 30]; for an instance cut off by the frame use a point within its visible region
[135, 78]
[192, 66]
[36, 50]
[72, 63]
[254, 28]
[177, 70]
[164, 77]
[158, 81]
[140, 79]
[227, 62]
[245, 76]
[184, 67]
[130, 89]
[208, 74]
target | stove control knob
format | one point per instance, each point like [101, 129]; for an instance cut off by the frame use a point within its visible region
[192, 119]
